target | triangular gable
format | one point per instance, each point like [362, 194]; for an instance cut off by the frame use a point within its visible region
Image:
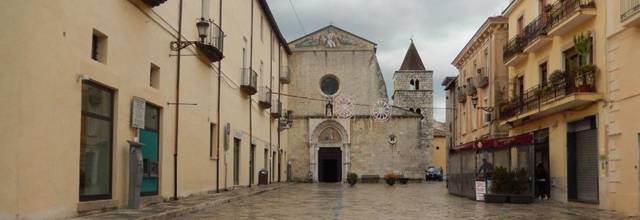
[331, 38]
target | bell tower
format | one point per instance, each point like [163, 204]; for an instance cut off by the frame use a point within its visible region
[413, 90]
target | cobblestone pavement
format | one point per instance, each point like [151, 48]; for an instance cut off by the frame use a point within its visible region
[379, 201]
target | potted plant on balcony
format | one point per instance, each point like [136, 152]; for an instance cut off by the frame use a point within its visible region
[589, 73]
[520, 187]
[352, 178]
[390, 178]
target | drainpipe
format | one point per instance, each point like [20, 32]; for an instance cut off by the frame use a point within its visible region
[271, 100]
[279, 84]
[250, 104]
[218, 114]
[175, 149]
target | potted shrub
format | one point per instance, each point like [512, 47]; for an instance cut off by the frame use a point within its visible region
[556, 77]
[352, 178]
[403, 180]
[390, 178]
[520, 186]
[588, 72]
[501, 186]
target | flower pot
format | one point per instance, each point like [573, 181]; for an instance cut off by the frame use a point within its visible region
[496, 198]
[520, 199]
[352, 182]
[404, 180]
[390, 181]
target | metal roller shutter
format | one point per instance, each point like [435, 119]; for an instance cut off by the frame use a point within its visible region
[587, 165]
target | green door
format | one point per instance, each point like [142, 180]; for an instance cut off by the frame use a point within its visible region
[149, 136]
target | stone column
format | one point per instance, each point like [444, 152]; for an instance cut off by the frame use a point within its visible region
[313, 150]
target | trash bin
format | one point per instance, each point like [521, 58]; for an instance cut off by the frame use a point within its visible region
[263, 177]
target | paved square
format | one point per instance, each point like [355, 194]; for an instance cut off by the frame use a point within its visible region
[379, 201]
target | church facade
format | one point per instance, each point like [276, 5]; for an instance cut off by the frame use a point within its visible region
[332, 65]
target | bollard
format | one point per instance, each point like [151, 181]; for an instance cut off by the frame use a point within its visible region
[135, 174]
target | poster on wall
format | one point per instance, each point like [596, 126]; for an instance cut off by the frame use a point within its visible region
[481, 189]
[137, 112]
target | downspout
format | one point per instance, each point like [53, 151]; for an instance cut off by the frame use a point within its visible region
[271, 100]
[250, 104]
[279, 84]
[218, 114]
[175, 149]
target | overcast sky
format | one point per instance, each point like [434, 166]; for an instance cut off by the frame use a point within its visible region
[440, 29]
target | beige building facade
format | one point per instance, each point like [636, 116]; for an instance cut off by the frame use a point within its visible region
[569, 100]
[622, 137]
[73, 79]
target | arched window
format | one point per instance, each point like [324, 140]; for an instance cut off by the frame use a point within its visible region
[418, 111]
[411, 109]
[417, 84]
[411, 84]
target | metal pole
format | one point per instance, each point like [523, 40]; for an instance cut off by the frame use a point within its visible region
[175, 150]
[251, 78]
[218, 113]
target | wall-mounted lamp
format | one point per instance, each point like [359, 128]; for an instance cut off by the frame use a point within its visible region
[474, 101]
[203, 32]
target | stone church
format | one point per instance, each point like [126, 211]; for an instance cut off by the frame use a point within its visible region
[332, 63]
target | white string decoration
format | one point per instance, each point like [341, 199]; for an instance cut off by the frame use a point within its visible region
[381, 111]
[343, 106]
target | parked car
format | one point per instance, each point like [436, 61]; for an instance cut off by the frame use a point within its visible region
[433, 174]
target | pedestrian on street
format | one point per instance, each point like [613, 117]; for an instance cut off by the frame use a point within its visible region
[486, 169]
[541, 182]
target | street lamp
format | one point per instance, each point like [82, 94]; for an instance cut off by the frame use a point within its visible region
[203, 28]
[474, 101]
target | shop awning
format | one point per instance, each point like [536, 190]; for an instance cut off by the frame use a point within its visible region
[496, 143]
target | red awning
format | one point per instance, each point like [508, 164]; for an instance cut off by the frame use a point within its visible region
[496, 143]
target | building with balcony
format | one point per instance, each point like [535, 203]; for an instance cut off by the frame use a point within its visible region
[201, 132]
[556, 59]
[478, 88]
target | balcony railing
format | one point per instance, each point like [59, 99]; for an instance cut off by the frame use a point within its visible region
[212, 45]
[285, 74]
[265, 97]
[628, 8]
[276, 110]
[482, 79]
[563, 9]
[513, 47]
[461, 95]
[249, 83]
[542, 94]
[538, 27]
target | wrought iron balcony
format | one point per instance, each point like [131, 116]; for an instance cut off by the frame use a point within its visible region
[481, 80]
[532, 38]
[513, 50]
[249, 83]
[153, 3]
[549, 98]
[629, 15]
[212, 45]
[471, 89]
[265, 97]
[276, 110]
[567, 14]
[285, 73]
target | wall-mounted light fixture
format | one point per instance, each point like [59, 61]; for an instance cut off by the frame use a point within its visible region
[474, 101]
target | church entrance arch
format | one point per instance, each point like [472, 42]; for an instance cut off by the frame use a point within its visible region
[329, 152]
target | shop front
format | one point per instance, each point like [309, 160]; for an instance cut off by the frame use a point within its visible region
[483, 168]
